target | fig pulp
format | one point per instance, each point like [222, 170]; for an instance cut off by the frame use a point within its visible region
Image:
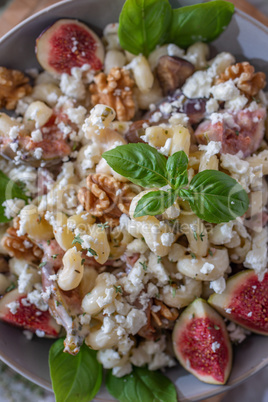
[201, 343]
[245, 301]
[27, 315]
[66, 44]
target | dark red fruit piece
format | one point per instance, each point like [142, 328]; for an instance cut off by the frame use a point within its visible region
[69, 43]
[172, 72]
[244, 131]
[245, 301]
[201, 343]
[27, 316]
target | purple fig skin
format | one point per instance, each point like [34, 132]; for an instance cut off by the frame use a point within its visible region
[172, 72]
[244, 301]
[66, 44]
[201, 343]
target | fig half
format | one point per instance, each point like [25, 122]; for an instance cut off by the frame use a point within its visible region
[245, 301]
[66, 44]
[201, 343]
[27, 315]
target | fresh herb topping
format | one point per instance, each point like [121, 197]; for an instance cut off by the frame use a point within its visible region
[76, 377]
[54, 256]
[42, 264]
[213, 196]
[118, 289]
[145, 24]
[77, 239]
[144, 265]
[83, 261]
[92, 252]
[103, 225]
[141, 385]
[9, 190]
[10, 287]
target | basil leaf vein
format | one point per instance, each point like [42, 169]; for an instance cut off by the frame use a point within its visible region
[216, 197]
[74, 378]
[200, 22]
[141, 385]
[154, 203]
[140, 163]
[144, 24]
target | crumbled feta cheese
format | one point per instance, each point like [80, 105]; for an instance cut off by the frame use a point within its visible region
[218, 285]
[215, 346]
[72, 85]
[198, 85]
[225, 91]
[13, 307]
[37, 135]
[237, 334]
[212, 106]
[13, 207]
[40, 333]
[167, 239]
[107, 325]
[38, 152]
[120, 371]
[135, 320]
[207, 268]
[109, 358]
[212, 148]
[28, 334]
[256, 258]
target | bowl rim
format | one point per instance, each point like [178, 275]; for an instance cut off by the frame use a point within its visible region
[46, 384]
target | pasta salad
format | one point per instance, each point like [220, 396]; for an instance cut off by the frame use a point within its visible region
[134, 201]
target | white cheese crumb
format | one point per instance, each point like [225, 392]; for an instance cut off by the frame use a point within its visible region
[218, 285]
[37, 135]
[40, 333]
[167, 239]
[215, 346]
[38, 152]
[207, 268]
[13, 307]
[13, 207]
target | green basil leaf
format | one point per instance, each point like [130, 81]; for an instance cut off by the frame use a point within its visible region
[9, 190]
[200, 22]
[154, 203]
[144, 24]
[140, 163]
[181, 181]
[177, 164]
[140, 386]
[74, 378]
[216, 197]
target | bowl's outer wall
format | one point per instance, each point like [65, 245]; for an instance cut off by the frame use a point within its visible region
[245, 38]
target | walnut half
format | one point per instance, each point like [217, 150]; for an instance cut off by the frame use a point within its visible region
[245, 78]
[14, 85]
[115, 90]
[106, 195]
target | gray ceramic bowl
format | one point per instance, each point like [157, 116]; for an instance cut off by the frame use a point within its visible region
[247, 39]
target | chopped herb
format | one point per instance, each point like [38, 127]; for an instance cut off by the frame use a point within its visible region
[92, 252]
[77, 239]
[88, 293]
[54, 256]
[10, 287]
[256, 100]
[74, 146]
[84, 314]
[209, 328]
[48, 242]
[195, 235]
[118, 289]
[159, 259]
[83, 261]
[103, 225]
[237, 133]
[170, 281]
[143, 239]
[173, 292]
[210, 253]
[201, 236]
[157, 295]
[193, 256]
[42, 264]
[58, 303]
[39, 219]
[216, 327]
[144, 265]
[21, 185]
[193, 315]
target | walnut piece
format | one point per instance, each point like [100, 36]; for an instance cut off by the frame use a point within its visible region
[166, 314]
[106, 196]
[115, 90]
[245, 78]
[13, 86]
[20, 246]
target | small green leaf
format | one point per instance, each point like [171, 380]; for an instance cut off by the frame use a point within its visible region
[92, 252]
[154, 203]
[77, 239]
[141, 385]
[177, 164]
[9, 190]
[74, 378]
[200, 22]
[140, 163]
[144, 24]
[216, 197]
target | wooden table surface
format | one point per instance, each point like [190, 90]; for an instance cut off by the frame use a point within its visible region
[19, 10]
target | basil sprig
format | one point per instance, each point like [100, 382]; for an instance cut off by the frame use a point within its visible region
[213, 196]
[141, 385]
[144, 24]
[9, 190]
[74, 378]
